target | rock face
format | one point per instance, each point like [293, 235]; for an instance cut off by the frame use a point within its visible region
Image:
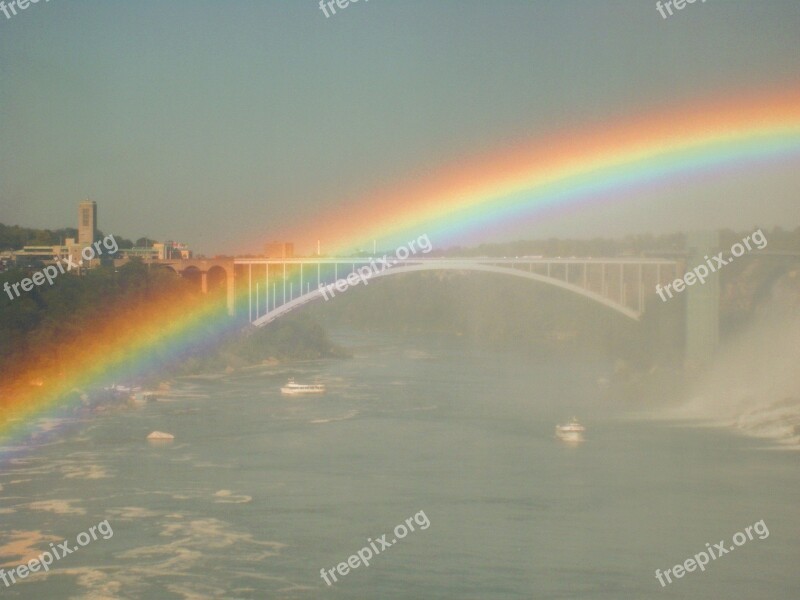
[160, 435]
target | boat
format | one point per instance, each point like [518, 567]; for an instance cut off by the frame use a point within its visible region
[571, 432]
[122, 389]
[301, 389]
[160, 435]
[145, 396]
[141, 398]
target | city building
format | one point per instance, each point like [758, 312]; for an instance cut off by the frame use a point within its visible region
[6, 260]
[146, 254]
[279, 250]
[30, 255]
[158, 251]
[173, 250]
[87, 222]
[87, 234]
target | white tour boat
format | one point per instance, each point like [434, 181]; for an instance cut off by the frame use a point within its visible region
[302, 389]
[571, 432]
[122, 389]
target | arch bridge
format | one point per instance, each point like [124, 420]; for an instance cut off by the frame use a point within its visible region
[278, 286]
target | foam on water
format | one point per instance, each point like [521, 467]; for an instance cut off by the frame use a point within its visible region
[228, 497]
[20, 546]
[91, 471]
[58, 507]
[348, 415]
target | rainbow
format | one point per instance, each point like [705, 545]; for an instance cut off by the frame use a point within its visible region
[564, 171]
[482, 194]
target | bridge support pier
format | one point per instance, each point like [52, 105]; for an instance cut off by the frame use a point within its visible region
[702, 303]
[231, 296]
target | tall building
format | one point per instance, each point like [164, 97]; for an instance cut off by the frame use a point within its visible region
[87, 222]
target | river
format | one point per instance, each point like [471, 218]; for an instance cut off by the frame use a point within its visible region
[259, 492]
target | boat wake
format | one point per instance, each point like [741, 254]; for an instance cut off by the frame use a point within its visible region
[344, 417]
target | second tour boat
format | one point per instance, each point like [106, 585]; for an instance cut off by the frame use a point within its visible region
[301, 389]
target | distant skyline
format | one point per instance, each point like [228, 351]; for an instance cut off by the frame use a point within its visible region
[223, 125]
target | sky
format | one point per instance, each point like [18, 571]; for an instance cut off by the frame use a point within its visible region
[224, 124]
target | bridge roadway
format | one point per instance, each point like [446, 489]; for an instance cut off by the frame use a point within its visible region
[275, 286]
[619, 283]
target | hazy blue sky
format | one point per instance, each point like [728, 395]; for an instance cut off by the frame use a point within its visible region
[219, 123]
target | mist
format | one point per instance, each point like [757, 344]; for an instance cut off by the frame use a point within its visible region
[754, 384]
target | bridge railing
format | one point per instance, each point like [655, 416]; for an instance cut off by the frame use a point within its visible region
[620, 282]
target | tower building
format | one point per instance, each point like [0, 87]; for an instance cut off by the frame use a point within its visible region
[87, 222]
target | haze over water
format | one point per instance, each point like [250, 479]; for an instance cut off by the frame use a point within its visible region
[258, 492]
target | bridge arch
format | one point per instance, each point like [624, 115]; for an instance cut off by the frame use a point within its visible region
[193, 275]
[466, 266]
[217, 277]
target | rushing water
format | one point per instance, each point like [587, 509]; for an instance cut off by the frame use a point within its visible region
[258, 492]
